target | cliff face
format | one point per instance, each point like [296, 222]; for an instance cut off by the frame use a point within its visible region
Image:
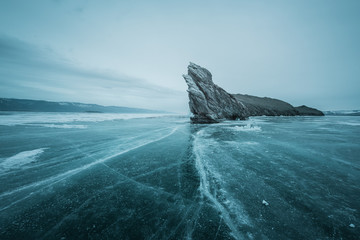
[210, 103]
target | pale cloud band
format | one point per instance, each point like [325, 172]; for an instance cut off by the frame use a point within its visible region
[29, 71]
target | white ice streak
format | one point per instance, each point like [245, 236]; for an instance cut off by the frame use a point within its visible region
[238, 143]
[66, 126]
[246, 128]
[349, 123]
[21, 159]
[205, 188]
[53, 118]
[62, 176]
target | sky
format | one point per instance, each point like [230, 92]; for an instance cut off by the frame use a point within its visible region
[133, 53]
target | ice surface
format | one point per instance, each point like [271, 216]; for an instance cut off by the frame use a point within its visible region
[164, 178]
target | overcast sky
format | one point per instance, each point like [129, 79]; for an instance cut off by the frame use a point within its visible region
[133, 53]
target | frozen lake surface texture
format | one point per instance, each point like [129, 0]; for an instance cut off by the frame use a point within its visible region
[120, 176]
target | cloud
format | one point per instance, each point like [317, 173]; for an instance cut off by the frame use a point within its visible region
[30, 71]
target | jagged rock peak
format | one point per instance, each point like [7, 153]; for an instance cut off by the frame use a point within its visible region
[208, 102]
[199, 73]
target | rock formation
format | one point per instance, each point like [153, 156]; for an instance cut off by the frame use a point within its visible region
[308, 111]
[210, 103]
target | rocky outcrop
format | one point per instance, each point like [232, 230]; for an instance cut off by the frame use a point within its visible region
[308, 111]
[210, 103]
[258, 106]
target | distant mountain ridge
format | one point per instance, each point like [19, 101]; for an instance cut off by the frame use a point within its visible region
[26, 105]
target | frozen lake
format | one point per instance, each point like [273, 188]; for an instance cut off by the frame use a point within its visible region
[121, 176]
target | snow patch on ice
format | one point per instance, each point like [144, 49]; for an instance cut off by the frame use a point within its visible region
[246, 128]
[250, 143]
[63, 118]
[59, 126]
[21, 158]
[349, 123]
[237, 144]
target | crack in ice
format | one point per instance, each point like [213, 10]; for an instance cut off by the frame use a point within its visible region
[62, 176]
